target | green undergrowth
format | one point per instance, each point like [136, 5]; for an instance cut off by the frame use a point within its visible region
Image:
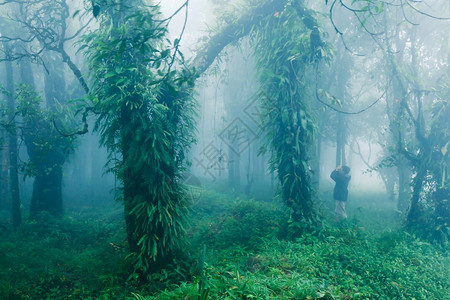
[246, 256]
[345, 265]
[238, 250]
[76, 257]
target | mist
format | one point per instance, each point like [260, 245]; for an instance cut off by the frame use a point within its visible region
[224, 149]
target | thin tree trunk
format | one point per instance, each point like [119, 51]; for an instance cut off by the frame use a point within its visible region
[54, 83]
[12, 142]
[343, 76]
[4, 181]
[414, 212]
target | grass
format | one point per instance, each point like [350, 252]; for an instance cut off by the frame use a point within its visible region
[238, 250]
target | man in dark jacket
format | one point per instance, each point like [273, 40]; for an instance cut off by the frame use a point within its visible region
[342, 177]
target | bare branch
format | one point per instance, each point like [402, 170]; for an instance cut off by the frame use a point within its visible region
[341, 111]
[79, 31]
[424, 13]
[175, 13]
[233, 32]
[66, 58]
[340, 33]
[81, 131]
[186, 4]
[15, 39]
[404, 15]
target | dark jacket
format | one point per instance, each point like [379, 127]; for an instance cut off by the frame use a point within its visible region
[340, 189]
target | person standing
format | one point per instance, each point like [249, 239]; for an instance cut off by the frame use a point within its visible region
[341, 175]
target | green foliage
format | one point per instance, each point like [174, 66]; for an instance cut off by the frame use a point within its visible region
[145, 119]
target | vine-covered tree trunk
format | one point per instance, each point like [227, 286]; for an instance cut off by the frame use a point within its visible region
[145, 117]
[133, 190]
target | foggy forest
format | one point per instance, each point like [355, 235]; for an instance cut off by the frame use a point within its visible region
[224, 149]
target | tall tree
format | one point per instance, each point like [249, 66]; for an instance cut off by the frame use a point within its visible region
[12, 141]
[284, 51]
[145, 121]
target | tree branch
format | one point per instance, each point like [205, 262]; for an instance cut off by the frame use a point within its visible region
[233, 32]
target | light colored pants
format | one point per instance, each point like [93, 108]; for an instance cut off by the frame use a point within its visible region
[339, 211]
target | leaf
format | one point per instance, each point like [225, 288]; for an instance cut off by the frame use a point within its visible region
[110, 74]
[165, 53]
[75, 13]
[444, 149]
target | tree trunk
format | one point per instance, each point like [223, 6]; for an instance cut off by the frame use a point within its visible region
[4, 181]
[414, 208]
[54, 82]
[47, 185]
[131, 181]
[343, 76]
[234, 171]
[47, 189]
[404, 177]
[12, 142]
[249, 175]
[26, 72]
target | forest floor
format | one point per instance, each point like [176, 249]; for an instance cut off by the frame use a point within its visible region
[238, 248]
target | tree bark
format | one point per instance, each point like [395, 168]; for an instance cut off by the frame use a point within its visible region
[54, 82]
[414, 208]
[12, 142]
[4, 180]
